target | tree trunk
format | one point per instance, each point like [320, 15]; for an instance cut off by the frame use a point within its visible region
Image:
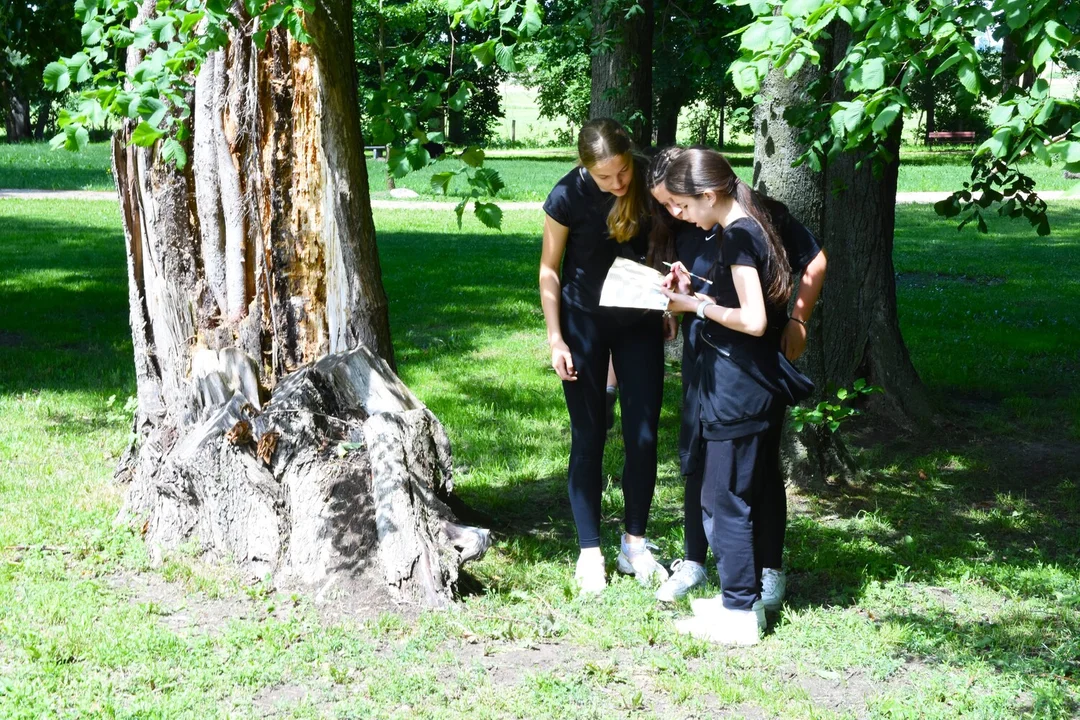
[667, 118]
[854, 332]
[44, 113]
[271, 427]
[621, 70]
[17, 119]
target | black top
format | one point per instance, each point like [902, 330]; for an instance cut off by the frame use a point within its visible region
[580, 205]
[699, 251]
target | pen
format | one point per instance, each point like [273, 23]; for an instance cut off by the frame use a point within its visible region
[704, 280]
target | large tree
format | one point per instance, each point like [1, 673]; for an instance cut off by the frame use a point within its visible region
[835, 79]
[271, 427]
[29, 38]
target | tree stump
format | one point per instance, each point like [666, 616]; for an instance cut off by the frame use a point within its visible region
[343, 473]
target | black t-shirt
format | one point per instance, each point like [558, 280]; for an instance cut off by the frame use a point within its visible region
[580, 205]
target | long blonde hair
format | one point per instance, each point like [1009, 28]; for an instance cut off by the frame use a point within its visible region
[601, 139]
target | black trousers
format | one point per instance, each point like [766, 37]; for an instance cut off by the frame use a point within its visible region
[731, 493]
[635, 342]
[770, 514]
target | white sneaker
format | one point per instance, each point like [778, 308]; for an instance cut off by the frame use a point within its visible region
[685, 575]
[773, 585]
[590, 575]
[724, 626]
[638, 560]
[714, 607]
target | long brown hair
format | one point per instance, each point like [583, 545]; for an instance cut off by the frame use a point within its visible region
[601, 139]
[696, 170]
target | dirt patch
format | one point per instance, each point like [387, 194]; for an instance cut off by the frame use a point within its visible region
[848, 691]
[279, 700]
[924, 279]
[178, 609]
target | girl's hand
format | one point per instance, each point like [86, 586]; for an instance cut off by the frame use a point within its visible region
[682, 302]
[678, 279]
[562, 361]
[671, 327]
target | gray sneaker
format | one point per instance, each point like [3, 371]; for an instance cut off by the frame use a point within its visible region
[640, 563]
[773, 585]
[685, 575]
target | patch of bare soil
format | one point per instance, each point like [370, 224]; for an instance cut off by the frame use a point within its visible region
[179, 609]
[848, 692]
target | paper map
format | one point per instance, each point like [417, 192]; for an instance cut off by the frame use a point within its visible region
[632, 285]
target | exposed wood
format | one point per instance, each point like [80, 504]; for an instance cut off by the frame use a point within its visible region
[271, 427]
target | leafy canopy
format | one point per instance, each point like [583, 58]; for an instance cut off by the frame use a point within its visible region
[897, 42]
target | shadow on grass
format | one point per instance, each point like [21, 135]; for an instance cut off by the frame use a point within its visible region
[63, 306]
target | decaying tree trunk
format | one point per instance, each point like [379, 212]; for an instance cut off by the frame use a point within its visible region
[854, 332]
[271, 427]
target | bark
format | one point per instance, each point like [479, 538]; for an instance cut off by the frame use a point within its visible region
[271, 427]
[667, 120]
[17, 119]
[44, 114]
[621, 71]
[854, 331]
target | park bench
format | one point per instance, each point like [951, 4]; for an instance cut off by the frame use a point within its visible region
[950, 136]
[378, 152]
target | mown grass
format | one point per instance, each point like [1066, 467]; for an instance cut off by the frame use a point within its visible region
[944, 585]
[528, 174]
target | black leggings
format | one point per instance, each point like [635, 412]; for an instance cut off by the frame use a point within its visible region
[635, 342]
[770, 515]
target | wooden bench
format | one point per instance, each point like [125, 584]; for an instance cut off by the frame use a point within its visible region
[966, 137]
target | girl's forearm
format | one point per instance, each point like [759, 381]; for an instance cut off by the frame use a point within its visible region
[550, 303]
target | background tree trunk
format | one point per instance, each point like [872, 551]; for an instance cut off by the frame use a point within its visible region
[271, 427]
[854, 331]
[621, 71]
[17, 119]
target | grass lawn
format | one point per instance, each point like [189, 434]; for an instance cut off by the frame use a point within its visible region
[529, 174]
[945, 585]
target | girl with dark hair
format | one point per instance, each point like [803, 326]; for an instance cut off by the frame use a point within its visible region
[695, 249]
[595, 213]
[741, 380]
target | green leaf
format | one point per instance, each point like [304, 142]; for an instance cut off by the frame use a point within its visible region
[56, 77]
[161, 28]
[842, 393]
[801, 8]
[472, 156]
[885, 118]
[1038, 149]
[487, 181]
[1058, 31]
[949, 207]
[1067, 150]
[397, 162]
[796, 64]
[506, 15]
[296, 27]
[457, 100]
[1043, 52]
[948, 63]
[1001, 114]
[504, 56]
[145, 135]
[756, 37]
[440, 182]
[532, 19]
[273, 15]
[867, 75]
[459, 211]
[152, 111]
[173, 151]
[489, 213]
[969, 77]
[483, 53]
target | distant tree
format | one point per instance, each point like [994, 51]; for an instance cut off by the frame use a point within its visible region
[32, 34]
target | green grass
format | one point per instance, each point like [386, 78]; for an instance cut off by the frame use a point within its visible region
[35, 166]
[944, 585]
[529, 174]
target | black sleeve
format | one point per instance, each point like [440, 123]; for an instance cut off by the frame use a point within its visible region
[559, 206]
[744, 244]
[799, 243]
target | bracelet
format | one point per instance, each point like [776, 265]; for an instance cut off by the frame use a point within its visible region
[801, 322]
[700, 312]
